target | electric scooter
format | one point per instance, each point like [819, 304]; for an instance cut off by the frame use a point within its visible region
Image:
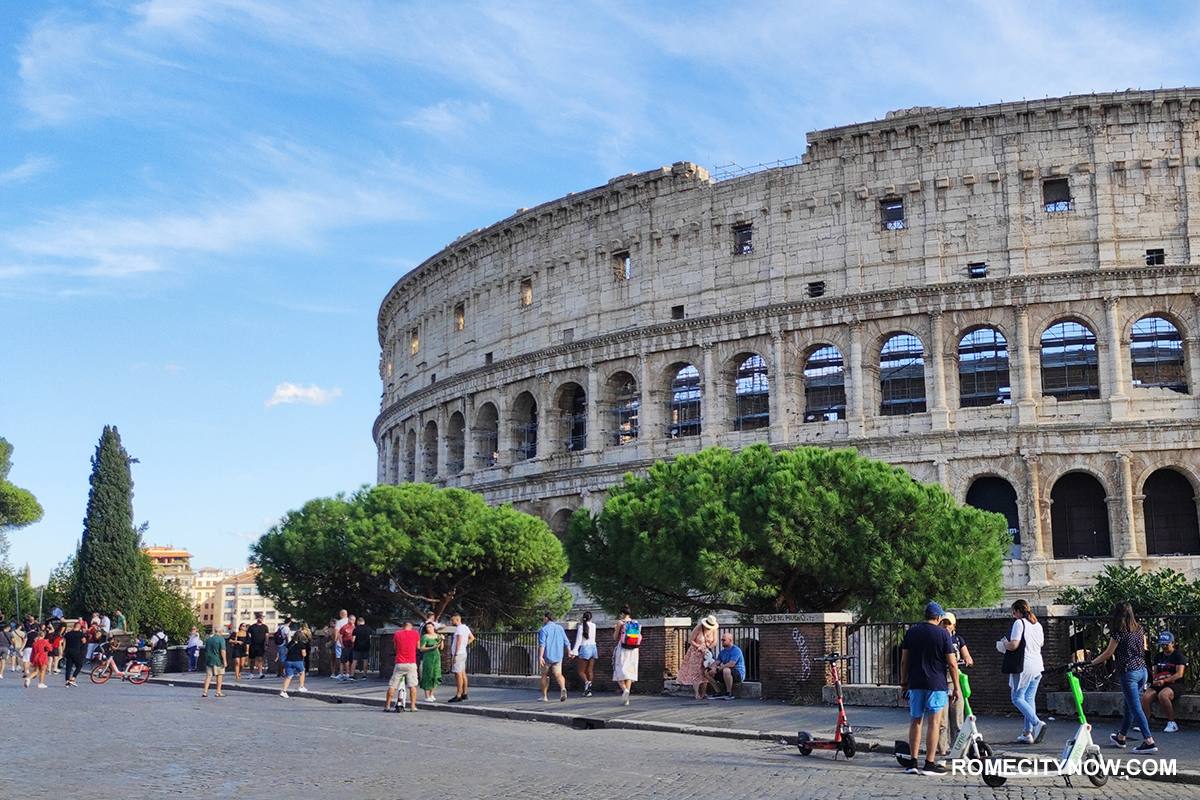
[843, 736]
[969, 743]
[1080, 756]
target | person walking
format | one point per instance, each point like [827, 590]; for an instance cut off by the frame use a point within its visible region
[699, 657]
[1023, 664]
[430, 646]
[283, 635]
[294, 653]
[926, 658]
[1166, 685]
[552, 643]
[215, 661]
[6, 644]
[39, 660]
[74, 651]
[585, 651]
[459, 643]
[628, 636]
[194, 643]
[1127, 642]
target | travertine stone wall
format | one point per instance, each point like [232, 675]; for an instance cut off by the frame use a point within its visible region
[540, 301]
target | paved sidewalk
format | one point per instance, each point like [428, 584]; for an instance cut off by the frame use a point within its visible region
[875, 728]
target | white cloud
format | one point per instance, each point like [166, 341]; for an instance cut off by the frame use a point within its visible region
[311, 394]
[172, 369]
[450, 118]
[31, 166]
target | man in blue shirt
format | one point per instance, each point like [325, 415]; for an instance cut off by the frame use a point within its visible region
[730, 667]
[552, 643]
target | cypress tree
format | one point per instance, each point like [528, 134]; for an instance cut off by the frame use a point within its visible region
[107, 573]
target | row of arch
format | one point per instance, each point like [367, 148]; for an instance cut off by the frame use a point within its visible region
[1079, 513]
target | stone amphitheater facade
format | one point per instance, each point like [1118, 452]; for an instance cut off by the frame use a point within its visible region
[1003, 299]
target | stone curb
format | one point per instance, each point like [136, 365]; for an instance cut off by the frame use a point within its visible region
[586, 722]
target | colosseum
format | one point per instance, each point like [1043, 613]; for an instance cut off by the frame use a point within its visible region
[1000, 299]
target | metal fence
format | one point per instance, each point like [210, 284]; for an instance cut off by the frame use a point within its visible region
[504, 653]
[876, 651]
[1089, 637]
[744, 636]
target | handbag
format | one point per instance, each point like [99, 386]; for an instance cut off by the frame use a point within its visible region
[709, 659]
[1014, 660]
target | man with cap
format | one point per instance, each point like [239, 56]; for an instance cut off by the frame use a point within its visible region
[926, 661]
[1167, 683]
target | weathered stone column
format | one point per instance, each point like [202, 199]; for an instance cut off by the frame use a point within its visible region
[710, 423]
[1026, 402]
[1114, 386]
[649, 414]
[780, 390]
[595, 437]
[1035, 556]
[504, 440]
[443, 443]
[548, 438]
[1132, 552]
[856, 415]
[419, 452]
[940, 412]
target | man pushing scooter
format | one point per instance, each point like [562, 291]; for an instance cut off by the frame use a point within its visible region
[927, 655]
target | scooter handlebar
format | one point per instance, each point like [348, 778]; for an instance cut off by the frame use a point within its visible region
[835, 657]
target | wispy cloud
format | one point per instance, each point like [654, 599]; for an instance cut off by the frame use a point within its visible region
[311, 394]
[450, 118]
[172, 369]
[31, 166]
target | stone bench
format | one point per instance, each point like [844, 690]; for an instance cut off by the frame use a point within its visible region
[1111, 704]
[863, 694]
[746, 690]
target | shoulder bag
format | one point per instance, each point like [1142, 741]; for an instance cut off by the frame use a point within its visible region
[1014, 660]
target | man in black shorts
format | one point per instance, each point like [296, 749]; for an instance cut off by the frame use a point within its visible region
[362, 647]
[1166, 686]
[258, 643]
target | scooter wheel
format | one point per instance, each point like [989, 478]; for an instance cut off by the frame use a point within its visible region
[983, 752]
[1098, 777]
[849, 746]
[804, 743]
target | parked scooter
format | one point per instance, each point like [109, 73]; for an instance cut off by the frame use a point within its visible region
[969, 743]
[843, 736]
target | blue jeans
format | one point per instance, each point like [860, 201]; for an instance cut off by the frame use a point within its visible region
[1025, 699]
[1132, 684]
[193, 654]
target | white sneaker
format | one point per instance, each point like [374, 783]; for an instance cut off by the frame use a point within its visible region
[41, 686]
[431, 699]
[1171, 727]
[1038, 732]
[1024, 738]
[562, 696]
[303, 690]
[625, 697]
[543, 700]
[283, 695]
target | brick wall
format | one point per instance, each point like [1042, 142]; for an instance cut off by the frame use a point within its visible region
[788, 643]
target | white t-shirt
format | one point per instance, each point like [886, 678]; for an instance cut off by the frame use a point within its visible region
[1035, 637]
[462, 637]
[585, 633]
[341, 623]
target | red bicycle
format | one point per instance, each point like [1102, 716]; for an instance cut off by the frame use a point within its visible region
[135, 671]
[843, 735]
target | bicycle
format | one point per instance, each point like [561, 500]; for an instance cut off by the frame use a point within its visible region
[136, 672]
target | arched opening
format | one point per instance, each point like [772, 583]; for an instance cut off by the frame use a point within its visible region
[1156, 350]
[410, 456]
[525, 427]
[1079, 517]
[902, 376]
[983, 369]
[456, 443]
[752, 395]
[998, 495]
[685, 403]
[487, 436]
[824, 386]
[429, 443]
[1169, 511]
[559, 523]
[1070, 366]
[623, 404]
[572, 415]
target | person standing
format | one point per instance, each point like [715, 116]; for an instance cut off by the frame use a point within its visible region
[1127, 642]
[215, 661]
[698, 657]
[237, 650]
[294, 653]
[39, 660]
[1166, 686]
[362, 648]
[5, 645]
[552, 643]
[283, 635]
[194, 643]
[74, 651]
[625, 652]
[105, 626]
[258, 643]
[585, 651]
[1026, 632]
[459, 643]
[430, 645]
[335, 638]
[348, 648]
[121, 621]
[926, 656]
[404, 671]
[952, 720]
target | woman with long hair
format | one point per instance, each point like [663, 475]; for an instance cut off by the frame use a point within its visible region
[1127, 642]
[701, 641]
[1023, 685]
[585, 651]
[430, 647]
[625, 654]
[237, 650]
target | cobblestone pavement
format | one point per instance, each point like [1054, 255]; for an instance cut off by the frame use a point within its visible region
[156, 741]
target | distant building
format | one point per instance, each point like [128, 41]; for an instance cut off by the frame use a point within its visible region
[235, 599]
[169, 562]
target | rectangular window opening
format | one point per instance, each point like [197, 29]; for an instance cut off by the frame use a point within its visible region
[416, 340]
[1156, 258]
[816, 289]
[460, 317]
[1056, 195]
[743, 240]
[622, 266]
[677, 312]
[893, 213]
[977, 269]
[487, 358]
[526, 292]
[568, 335]
[432, 378]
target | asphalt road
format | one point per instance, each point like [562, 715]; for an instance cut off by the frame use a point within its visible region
[124, 741]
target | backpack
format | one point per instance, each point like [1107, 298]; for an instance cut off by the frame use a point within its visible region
[278, 637]
[632, 635]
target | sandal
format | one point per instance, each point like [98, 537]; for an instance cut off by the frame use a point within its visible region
[220, 694]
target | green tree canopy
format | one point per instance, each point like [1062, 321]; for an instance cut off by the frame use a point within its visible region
[1156, 593]
[799, 530]
[412, 549]
[18, 507]
[108, 565]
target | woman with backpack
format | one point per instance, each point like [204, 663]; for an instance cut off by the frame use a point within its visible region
[1127, 642]
[628, 636]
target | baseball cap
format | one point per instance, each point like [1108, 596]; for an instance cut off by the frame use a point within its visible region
[1166, 637]
[934, 610]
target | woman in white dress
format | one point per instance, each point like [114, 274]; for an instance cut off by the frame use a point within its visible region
[625, 659]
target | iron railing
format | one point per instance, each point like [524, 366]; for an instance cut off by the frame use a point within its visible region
[875, 649]
[503, 653]
[744, 636]
[1089, 637]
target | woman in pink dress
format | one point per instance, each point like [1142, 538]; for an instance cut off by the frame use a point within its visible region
[701, 641]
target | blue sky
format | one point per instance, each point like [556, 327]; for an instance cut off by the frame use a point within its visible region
[203, 202]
